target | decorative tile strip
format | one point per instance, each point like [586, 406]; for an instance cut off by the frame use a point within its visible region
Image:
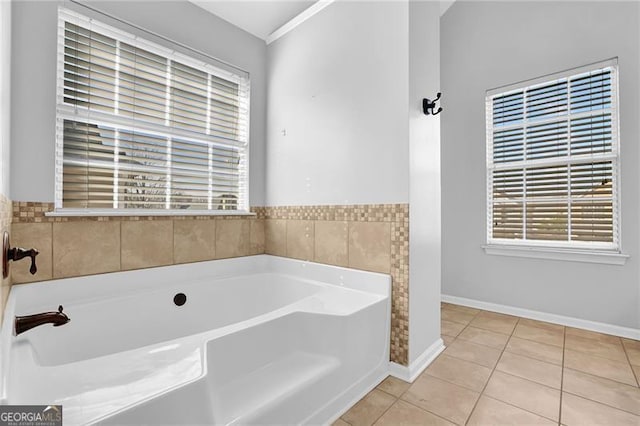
[34, 212]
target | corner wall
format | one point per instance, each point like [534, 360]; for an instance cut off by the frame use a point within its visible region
[490, 44]
[337, 111]
[424, 183]
[352, 163]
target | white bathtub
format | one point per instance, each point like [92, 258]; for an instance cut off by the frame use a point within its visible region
[260, 340]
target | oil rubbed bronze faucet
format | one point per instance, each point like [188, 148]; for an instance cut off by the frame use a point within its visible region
[16, 253]
[27, 322]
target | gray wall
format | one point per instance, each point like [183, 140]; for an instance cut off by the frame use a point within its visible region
[337, 108]
[490, 44]
[424, 179]
[5, 94]
[34, 78]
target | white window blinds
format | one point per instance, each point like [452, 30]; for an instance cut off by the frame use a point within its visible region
[552, 161]
[140, 126]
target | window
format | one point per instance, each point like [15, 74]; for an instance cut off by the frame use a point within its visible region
[144, 128]
[552, 161]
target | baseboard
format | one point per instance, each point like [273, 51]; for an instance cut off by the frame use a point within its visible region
[600, 327]
[410, 373]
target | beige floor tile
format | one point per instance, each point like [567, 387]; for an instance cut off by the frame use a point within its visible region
[605, 338]
[456, 316]
[451, 328]
[460, 372]
[402, 413]
[484, 337]
[530, 396]
[636, 369]
[634, 356]
[468, 351]
[531, 349]
[394, 386]
[610, 351]
[492, 321]
[609, 392]
[531, 369]
[461, 308]
[541, 324]
[369, 408]
[630, 343]
[448, 340]
[541, 335]
[490, 411]
[598, 366]
[445, 399]
[340, 422]
[632, 347]
[579, 411]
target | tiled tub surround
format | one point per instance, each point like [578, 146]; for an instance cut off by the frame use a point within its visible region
[372, 237]
[505, 370]
[76, 246]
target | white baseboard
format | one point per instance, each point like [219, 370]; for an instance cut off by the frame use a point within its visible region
[600, 327]
[410, 373]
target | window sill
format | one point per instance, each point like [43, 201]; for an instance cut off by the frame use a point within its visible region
[574, 255]
[122, 213]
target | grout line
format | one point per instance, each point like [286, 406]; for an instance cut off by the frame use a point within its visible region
[601, 402]
[492, 371]
[421, 408]
[564, 338]
[624, 348]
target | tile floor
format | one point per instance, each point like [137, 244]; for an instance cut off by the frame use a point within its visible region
[504, 370]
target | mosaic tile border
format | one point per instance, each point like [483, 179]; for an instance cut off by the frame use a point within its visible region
[34, 212]
[356, 212]
[398, 216]
[5, 212]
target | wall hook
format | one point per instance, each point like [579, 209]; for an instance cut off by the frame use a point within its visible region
[429, 105]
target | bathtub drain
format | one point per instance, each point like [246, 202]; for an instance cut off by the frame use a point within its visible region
[180, 299]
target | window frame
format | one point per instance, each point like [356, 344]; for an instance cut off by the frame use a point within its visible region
[563, 249]
[65, 111]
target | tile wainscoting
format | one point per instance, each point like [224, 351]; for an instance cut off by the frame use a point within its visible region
[369, 237]
[373, 237]
[76, 246]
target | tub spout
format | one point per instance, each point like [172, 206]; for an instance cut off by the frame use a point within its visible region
[28, 322]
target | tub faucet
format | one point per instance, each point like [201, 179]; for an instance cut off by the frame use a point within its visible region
[17, 253]
[27, 322]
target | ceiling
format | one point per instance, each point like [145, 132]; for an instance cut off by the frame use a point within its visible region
[259, 18]
[263, 17]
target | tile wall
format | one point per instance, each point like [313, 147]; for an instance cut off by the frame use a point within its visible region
[368, 237]
[75, 246]
[372, 237]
